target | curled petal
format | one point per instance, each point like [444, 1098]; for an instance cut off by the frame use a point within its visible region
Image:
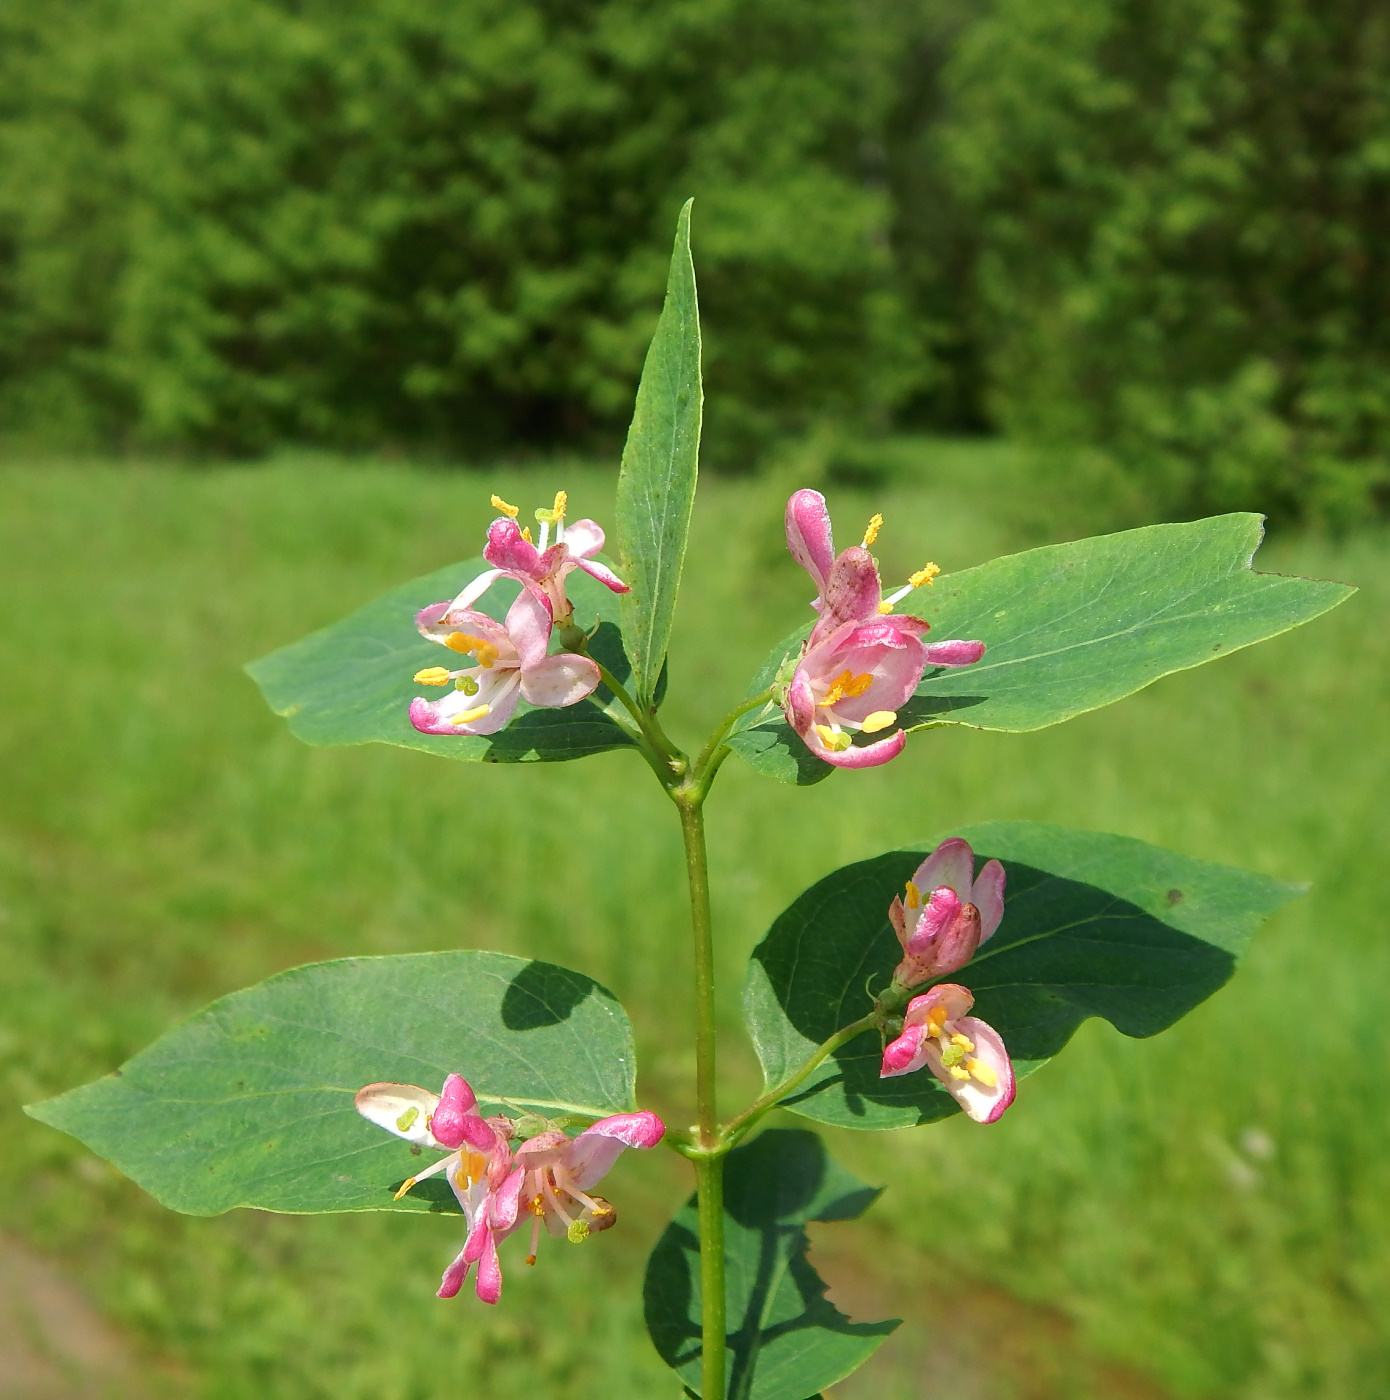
[905, 1054]
[852, 593]
[941, 910]
[954, 653]
[507, 549]
[504, 1205]
[602, 573]
[858, 755]
[988, 897]
[954, 1000]
[595, 1150]
[457, 1104]
[808, 534]
[556, 681]
[942, 953]
[475, 590]
[454, 1276]
[584, 538]
[433, 716]
[404, 1110]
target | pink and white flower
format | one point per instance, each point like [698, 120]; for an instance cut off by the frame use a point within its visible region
[479, 1168]
[542, 567]
[946, 913]
[551, 1175]
[862, 661]
[561, 1172]
[962, 1051]
[510, 664]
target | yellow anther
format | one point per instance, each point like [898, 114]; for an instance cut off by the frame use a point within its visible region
[478, 646]
[526, 534]
[924, 575]
[963, 1041]
[885, 606]
[556, 512]
[858, 685]
[531, 1259]
[468, 716]
[936, 1019]
[981, 1071]
[871, 531]
[914, 896]
[499, 504]
[404, 1188]
[536, 1205]
[837, 743]
[432, 675]
[958, 1073]
[880, 719]
[477, 1165]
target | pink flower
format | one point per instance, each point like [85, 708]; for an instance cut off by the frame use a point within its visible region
[964, 1053]
[940, 932]
[862, 661]
[541, 567]
[510, 665]
[551, 1173]
[479, 1168]
[561, 1172]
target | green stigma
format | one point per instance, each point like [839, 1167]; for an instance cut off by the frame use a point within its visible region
[466, 684]
[407, 1119]
[952, 1055]
[578, 1231]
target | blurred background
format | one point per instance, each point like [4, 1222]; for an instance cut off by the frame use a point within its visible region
[288, 289]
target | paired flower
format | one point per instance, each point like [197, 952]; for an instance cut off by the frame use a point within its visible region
[946, 913]
[510, 663]
[549, 1176]
[964, 1053]
[862, 660]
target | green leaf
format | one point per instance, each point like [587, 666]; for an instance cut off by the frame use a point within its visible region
[351, 683]
[250, 1103]
[1093, 925]
[786, 1340]
[656, 489]
[1072, 627]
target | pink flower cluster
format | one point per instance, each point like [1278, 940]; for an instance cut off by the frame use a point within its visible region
[947, 913]
[862, 661]
[511, 660]
[499, 1181]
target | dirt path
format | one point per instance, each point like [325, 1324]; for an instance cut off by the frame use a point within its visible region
[53, 1344]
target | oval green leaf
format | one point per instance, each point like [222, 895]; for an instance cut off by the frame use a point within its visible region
[785, 1340]
[250, 1103]
[1071, 627]
[1094, 925]
[351, 682]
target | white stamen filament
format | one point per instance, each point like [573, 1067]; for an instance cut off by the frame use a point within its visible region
[893, 599]
[545, 536]
[552, 1200]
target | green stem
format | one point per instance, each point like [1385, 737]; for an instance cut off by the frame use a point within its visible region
[709, 1161]
[739, 1127]
[709, 755]
[666, 761]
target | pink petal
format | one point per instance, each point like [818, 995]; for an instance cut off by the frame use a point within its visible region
[507, 549]
[454, 1276]
[956, 1000]
[601, 572]
[457, 1104]
[905, 1054]
[489, 1285]
[954, 653]
[938, 914]
[988, 897]
[594, 1151]
[387, 1104]
[943, 954]
[809, 536]
[861, 755]
[427, 620]
[980, 1102]
[504, 1205]
[584, 538]
[432, 716]
[895, 672]
[528, 626]
[897, 916]
[556, 681]
[951, 863]
[852, 592]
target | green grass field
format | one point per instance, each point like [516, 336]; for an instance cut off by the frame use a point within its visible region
[1207, 1214]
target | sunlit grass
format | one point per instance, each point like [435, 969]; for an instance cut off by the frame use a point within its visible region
[1211, 1206]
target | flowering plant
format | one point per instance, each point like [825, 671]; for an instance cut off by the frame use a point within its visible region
[323, 1088]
